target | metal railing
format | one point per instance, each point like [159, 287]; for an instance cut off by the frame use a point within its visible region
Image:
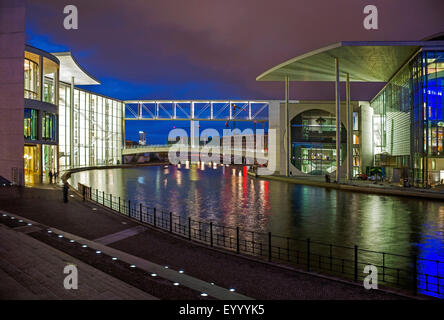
[412, 273]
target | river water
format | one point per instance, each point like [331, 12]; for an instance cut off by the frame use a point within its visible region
[226, 195]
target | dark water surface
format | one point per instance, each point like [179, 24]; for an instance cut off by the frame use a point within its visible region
[228, 196]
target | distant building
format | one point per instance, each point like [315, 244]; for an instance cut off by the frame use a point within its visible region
[142, 138]
[129, 143]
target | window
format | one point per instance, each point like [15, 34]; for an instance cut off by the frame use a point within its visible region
[50, 81]
[355, 139]
[31, 79]
[30, 124]
[355, 121]
[49, 126]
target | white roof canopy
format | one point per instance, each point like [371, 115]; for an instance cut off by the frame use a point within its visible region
[371, 61]
[70, 68]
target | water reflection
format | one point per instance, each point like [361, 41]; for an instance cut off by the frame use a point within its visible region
[226, 195]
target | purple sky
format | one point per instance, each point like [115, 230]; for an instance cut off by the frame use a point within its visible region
[215, 49]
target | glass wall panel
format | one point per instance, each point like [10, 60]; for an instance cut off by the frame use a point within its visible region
[31, 124]
[31, 79]
[50, 81]
[96, 129]
[49, 125]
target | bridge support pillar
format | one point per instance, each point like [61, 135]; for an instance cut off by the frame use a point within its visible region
[194, 141]
[287, 140]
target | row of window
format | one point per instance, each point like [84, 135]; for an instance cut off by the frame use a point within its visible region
[32, 71]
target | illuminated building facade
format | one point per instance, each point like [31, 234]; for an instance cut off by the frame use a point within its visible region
[65, 126]
[41, 89]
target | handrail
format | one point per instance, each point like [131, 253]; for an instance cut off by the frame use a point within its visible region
[396, 270]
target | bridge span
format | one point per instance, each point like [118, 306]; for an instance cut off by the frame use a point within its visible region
[243, 152]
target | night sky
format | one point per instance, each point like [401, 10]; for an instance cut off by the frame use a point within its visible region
[212, 49]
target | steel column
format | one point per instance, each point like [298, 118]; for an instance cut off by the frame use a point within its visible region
[338, 121]
[71, 124]
[287, 126]
[349, 131]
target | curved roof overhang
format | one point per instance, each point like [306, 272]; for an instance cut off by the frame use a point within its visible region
[70, 68]
[42, 53]
[371, 61]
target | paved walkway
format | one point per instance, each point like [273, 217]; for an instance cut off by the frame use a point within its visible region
[29, 269]
[250, 278]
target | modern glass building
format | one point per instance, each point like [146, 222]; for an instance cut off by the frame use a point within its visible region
[399, 133]
[65, 126]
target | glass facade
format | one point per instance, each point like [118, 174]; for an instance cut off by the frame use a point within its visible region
[90, 130]
[31, 158]
[408, 121]
[31, 124]
[40, 125]
[81, 128]
[313, 141]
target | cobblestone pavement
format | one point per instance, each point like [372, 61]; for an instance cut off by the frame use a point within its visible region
[29, 269]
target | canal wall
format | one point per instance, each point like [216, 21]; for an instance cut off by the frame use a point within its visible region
[67, 173]
[373, 189]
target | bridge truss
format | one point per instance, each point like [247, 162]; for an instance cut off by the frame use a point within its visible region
[197, 110]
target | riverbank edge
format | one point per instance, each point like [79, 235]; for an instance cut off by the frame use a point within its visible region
[67, 173]
[355, 188]
[386, 289]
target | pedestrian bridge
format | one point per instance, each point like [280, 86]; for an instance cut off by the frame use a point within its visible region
[197, 110]
[140, 149]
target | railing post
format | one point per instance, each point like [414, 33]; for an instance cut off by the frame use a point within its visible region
[269, 246]
[97, 195]
[356, 263]
[415, 275]
[437, 276]
[189, 228]
[383, 266]
[211, 234]
[141, 219]
[120, 211]
[111, 201]
[331, 257]
[103, 198]
[237, 240]
[288, 249]
[308, 254]
[171, 222]
[154, 217]
[129, 208]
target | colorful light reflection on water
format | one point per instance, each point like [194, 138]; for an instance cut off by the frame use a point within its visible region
[226, 195]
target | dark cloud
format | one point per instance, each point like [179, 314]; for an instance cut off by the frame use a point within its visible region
[215, 49]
